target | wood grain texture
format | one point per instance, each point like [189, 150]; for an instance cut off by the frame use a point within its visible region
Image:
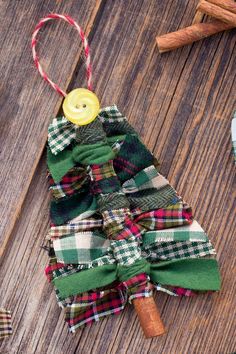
[181, 103]
[27, 103]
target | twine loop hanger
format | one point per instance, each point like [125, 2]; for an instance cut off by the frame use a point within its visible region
[80, 106]
[73, 23]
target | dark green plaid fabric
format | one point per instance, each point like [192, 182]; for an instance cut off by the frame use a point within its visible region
[132, 158]
[64, 210]
[176, 250]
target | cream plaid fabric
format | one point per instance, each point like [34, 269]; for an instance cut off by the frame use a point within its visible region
[5, 323]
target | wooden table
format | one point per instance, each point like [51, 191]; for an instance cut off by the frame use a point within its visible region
[181, 103]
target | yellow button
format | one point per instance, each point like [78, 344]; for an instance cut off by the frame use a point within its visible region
[81, 106]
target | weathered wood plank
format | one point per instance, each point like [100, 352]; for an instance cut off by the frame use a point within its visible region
[27, 102]
[181, 103]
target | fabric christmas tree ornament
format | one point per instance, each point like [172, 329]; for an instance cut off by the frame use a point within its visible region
[119, 230]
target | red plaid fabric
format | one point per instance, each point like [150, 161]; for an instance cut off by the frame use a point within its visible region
[51, 268]
[90, 307]
[69, 184]
[138, 286]
[175, 215]
[130, 229]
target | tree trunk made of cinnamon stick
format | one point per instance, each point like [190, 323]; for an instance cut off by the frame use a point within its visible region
[149, 317]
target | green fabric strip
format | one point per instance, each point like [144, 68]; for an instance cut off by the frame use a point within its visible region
[93, 153]
[196, 274]
[192, 232]
[59, 164]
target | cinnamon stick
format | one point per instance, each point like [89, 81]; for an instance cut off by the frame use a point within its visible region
[217, 12]
[149, 317]
[229, 5]
[198, 17]
[188, 35]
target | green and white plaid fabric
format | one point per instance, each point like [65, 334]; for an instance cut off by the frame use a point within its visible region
[176, 250]
[147, 178]
[111, 114]
[126, 251]
[233, 131]
[81, 247]
[192, 232]
[61, 133]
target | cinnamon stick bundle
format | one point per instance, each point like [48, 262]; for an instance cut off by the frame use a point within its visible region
[188, 35]
[218, 12]
[229, 5]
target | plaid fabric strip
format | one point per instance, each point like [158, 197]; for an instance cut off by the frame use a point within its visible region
[130, 229]
[105, 186]
[5, 323]
[99, 172]
[127, 251]
[81, 247]
[113, 220]
[145, 179]
[68, 208]
[52, 267]
[61, 133]
[138, 286]
[114, 123]
[175, 250]
[69, 184]
[92, 306]
[104, 179]
[174, 215]
[67, 229]
[119, 225]
[192, 232]
[132, 158]
[111, 114]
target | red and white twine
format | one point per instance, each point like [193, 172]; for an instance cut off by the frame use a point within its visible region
[83, 38]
